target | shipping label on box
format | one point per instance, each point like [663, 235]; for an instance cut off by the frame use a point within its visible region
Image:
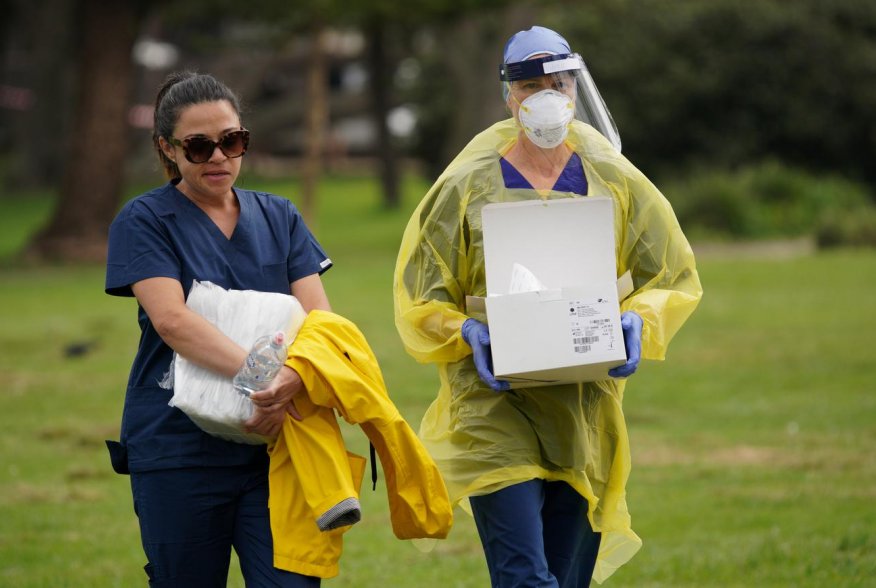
[552, 337]
[592, 326]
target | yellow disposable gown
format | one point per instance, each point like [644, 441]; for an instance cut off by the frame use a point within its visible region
[310, 469]
[484, 441]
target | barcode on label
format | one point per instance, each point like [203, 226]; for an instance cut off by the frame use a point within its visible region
[584, 340]
[582, 348]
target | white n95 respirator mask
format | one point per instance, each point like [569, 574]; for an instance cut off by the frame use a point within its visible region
[545, 117]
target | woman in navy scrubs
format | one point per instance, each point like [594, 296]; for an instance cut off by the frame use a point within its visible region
[197, 496]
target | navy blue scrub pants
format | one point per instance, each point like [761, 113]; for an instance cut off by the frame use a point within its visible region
[536, 535]
[191, 517]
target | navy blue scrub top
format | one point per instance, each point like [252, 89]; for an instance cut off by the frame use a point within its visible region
[572, 179]
[164, 234]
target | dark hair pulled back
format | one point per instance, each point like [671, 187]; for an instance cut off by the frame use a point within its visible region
[180, 90]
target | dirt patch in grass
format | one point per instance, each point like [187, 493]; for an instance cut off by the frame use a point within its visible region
[824, 459]
[772, 249]
[79, 436]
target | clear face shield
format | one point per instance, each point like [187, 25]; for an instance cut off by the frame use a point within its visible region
[571, 94]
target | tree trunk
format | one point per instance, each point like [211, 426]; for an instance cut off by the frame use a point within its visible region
[38, 162]
[380, 76]
[94, 173]
[317, 120]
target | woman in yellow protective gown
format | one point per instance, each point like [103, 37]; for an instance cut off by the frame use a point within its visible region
[543, 469]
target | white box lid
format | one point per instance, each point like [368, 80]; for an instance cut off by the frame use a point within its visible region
[565, 243]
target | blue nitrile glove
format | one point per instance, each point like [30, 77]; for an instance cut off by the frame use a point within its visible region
[477, 335]
[631, 324]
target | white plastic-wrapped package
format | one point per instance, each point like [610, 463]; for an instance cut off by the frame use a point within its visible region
[208, 398]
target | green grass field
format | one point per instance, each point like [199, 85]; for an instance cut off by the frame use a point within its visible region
[753, 444]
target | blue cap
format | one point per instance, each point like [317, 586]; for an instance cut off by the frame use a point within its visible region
[523, 45]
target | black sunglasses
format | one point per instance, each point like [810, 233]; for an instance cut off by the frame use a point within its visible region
[200, 149]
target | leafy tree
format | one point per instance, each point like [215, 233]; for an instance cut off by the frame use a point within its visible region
[724, 82]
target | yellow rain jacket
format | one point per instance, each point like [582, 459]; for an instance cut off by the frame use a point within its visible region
[484, 441]
[310, 469]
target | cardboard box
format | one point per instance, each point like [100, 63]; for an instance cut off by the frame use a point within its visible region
[553, 294]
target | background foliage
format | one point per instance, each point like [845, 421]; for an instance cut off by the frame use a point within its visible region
[697, 87]
[769, 200]
[724, 82]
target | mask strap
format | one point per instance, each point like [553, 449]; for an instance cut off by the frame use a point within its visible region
[519, 103]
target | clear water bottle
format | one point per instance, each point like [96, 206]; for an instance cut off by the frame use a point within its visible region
[267, 356]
